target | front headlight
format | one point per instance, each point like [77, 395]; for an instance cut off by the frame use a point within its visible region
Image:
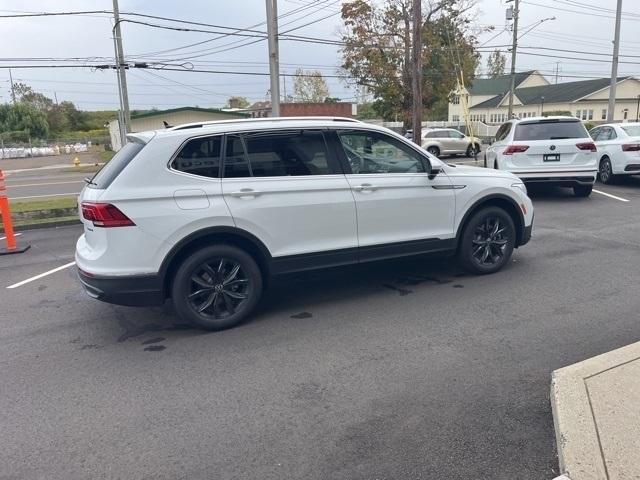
[520, 186]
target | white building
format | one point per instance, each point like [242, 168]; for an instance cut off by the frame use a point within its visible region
[588, 100]
[154, 120]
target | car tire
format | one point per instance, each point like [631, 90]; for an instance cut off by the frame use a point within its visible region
[216, 287]
[472, 150]
[470, 153]
[605, 171]
[435, 151]
[582, 190]
[487, 241]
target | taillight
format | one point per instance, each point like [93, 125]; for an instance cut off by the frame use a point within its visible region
[511, 149]
[587, 146]
[631, 147]
[105, 215]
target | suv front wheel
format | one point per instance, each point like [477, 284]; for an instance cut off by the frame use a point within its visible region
[487, 241]
[216, 287]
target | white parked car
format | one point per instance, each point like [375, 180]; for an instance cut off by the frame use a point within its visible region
[206, 213]
[449, 141]
[553, 150]
[618, 149]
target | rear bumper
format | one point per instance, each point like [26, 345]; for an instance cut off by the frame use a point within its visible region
[133, 291]
[561, 178]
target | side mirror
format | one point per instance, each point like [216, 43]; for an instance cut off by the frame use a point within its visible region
[434, 172]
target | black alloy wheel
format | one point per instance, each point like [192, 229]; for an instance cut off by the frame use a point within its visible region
[435, 151]
[216, 287]
[487, 241]
[219, 287]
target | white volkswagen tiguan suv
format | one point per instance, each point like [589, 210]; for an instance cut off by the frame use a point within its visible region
[551, 150]
[205, 213]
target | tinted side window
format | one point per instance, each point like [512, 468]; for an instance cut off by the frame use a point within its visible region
[594, 133]
[236, 164]
[550, 130]
[455, 134]
[200, 156]
[373, 152]
[441, 134]
[503, 131]
[287, 154]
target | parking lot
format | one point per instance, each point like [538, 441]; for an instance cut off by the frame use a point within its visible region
[402, 369]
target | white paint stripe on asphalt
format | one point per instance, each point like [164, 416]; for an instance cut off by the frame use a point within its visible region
[43, 196]
[28, 280]
[611, 196]
[15, 235]
[9, 185]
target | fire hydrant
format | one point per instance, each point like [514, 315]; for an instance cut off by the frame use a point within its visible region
[76, 162]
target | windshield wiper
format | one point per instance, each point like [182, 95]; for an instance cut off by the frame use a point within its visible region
[90, 181]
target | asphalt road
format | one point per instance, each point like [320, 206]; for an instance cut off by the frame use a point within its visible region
[406, 369]
[43, 184]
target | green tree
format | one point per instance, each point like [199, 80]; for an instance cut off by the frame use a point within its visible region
[309, 87]
[496, 63]
[22, 121]
[377, 51]
[238, 102]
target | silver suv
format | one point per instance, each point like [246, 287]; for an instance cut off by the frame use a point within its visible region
[449, 141]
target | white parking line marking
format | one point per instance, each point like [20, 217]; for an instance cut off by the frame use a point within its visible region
[611, 196]
[43, 196]
[9, 185]
[28, 280]
[15, 235]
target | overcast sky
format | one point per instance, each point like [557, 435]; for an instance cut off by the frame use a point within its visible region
[580, 25]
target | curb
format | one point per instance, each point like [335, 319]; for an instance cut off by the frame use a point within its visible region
[35, 226]
[580, 452]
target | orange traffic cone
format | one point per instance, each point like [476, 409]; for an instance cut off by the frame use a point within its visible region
[5, 213]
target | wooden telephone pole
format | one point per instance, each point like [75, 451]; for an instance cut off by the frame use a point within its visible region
[417, 72]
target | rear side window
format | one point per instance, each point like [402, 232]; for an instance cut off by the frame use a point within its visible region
[200, 156]
[550, 130]
[503, 131]
[298, 153]
[108, 173]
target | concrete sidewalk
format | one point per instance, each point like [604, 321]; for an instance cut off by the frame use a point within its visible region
[596, 412]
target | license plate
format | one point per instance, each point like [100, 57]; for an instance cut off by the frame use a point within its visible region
[551, 157]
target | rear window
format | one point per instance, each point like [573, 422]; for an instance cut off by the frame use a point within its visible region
[632, 130]
[550, 130]
[112, 169]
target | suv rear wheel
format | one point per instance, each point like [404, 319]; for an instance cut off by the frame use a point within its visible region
[435, 151]
[216, 287]
[487, 241]
[582, 190]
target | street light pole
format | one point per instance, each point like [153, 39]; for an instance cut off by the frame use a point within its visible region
[614, 65]
[274, 74]
[542, 107]
[514, 47]
[638, 110]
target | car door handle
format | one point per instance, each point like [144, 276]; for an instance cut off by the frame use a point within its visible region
[365, 187]
[245, 192]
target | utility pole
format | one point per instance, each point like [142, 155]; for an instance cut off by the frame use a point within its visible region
[13, 91]
[614, 65]
[274, 68]
[122, 77]
[514, 47]
[557, 71]
[416, 86]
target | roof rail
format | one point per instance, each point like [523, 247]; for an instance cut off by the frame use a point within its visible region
[261, 119]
